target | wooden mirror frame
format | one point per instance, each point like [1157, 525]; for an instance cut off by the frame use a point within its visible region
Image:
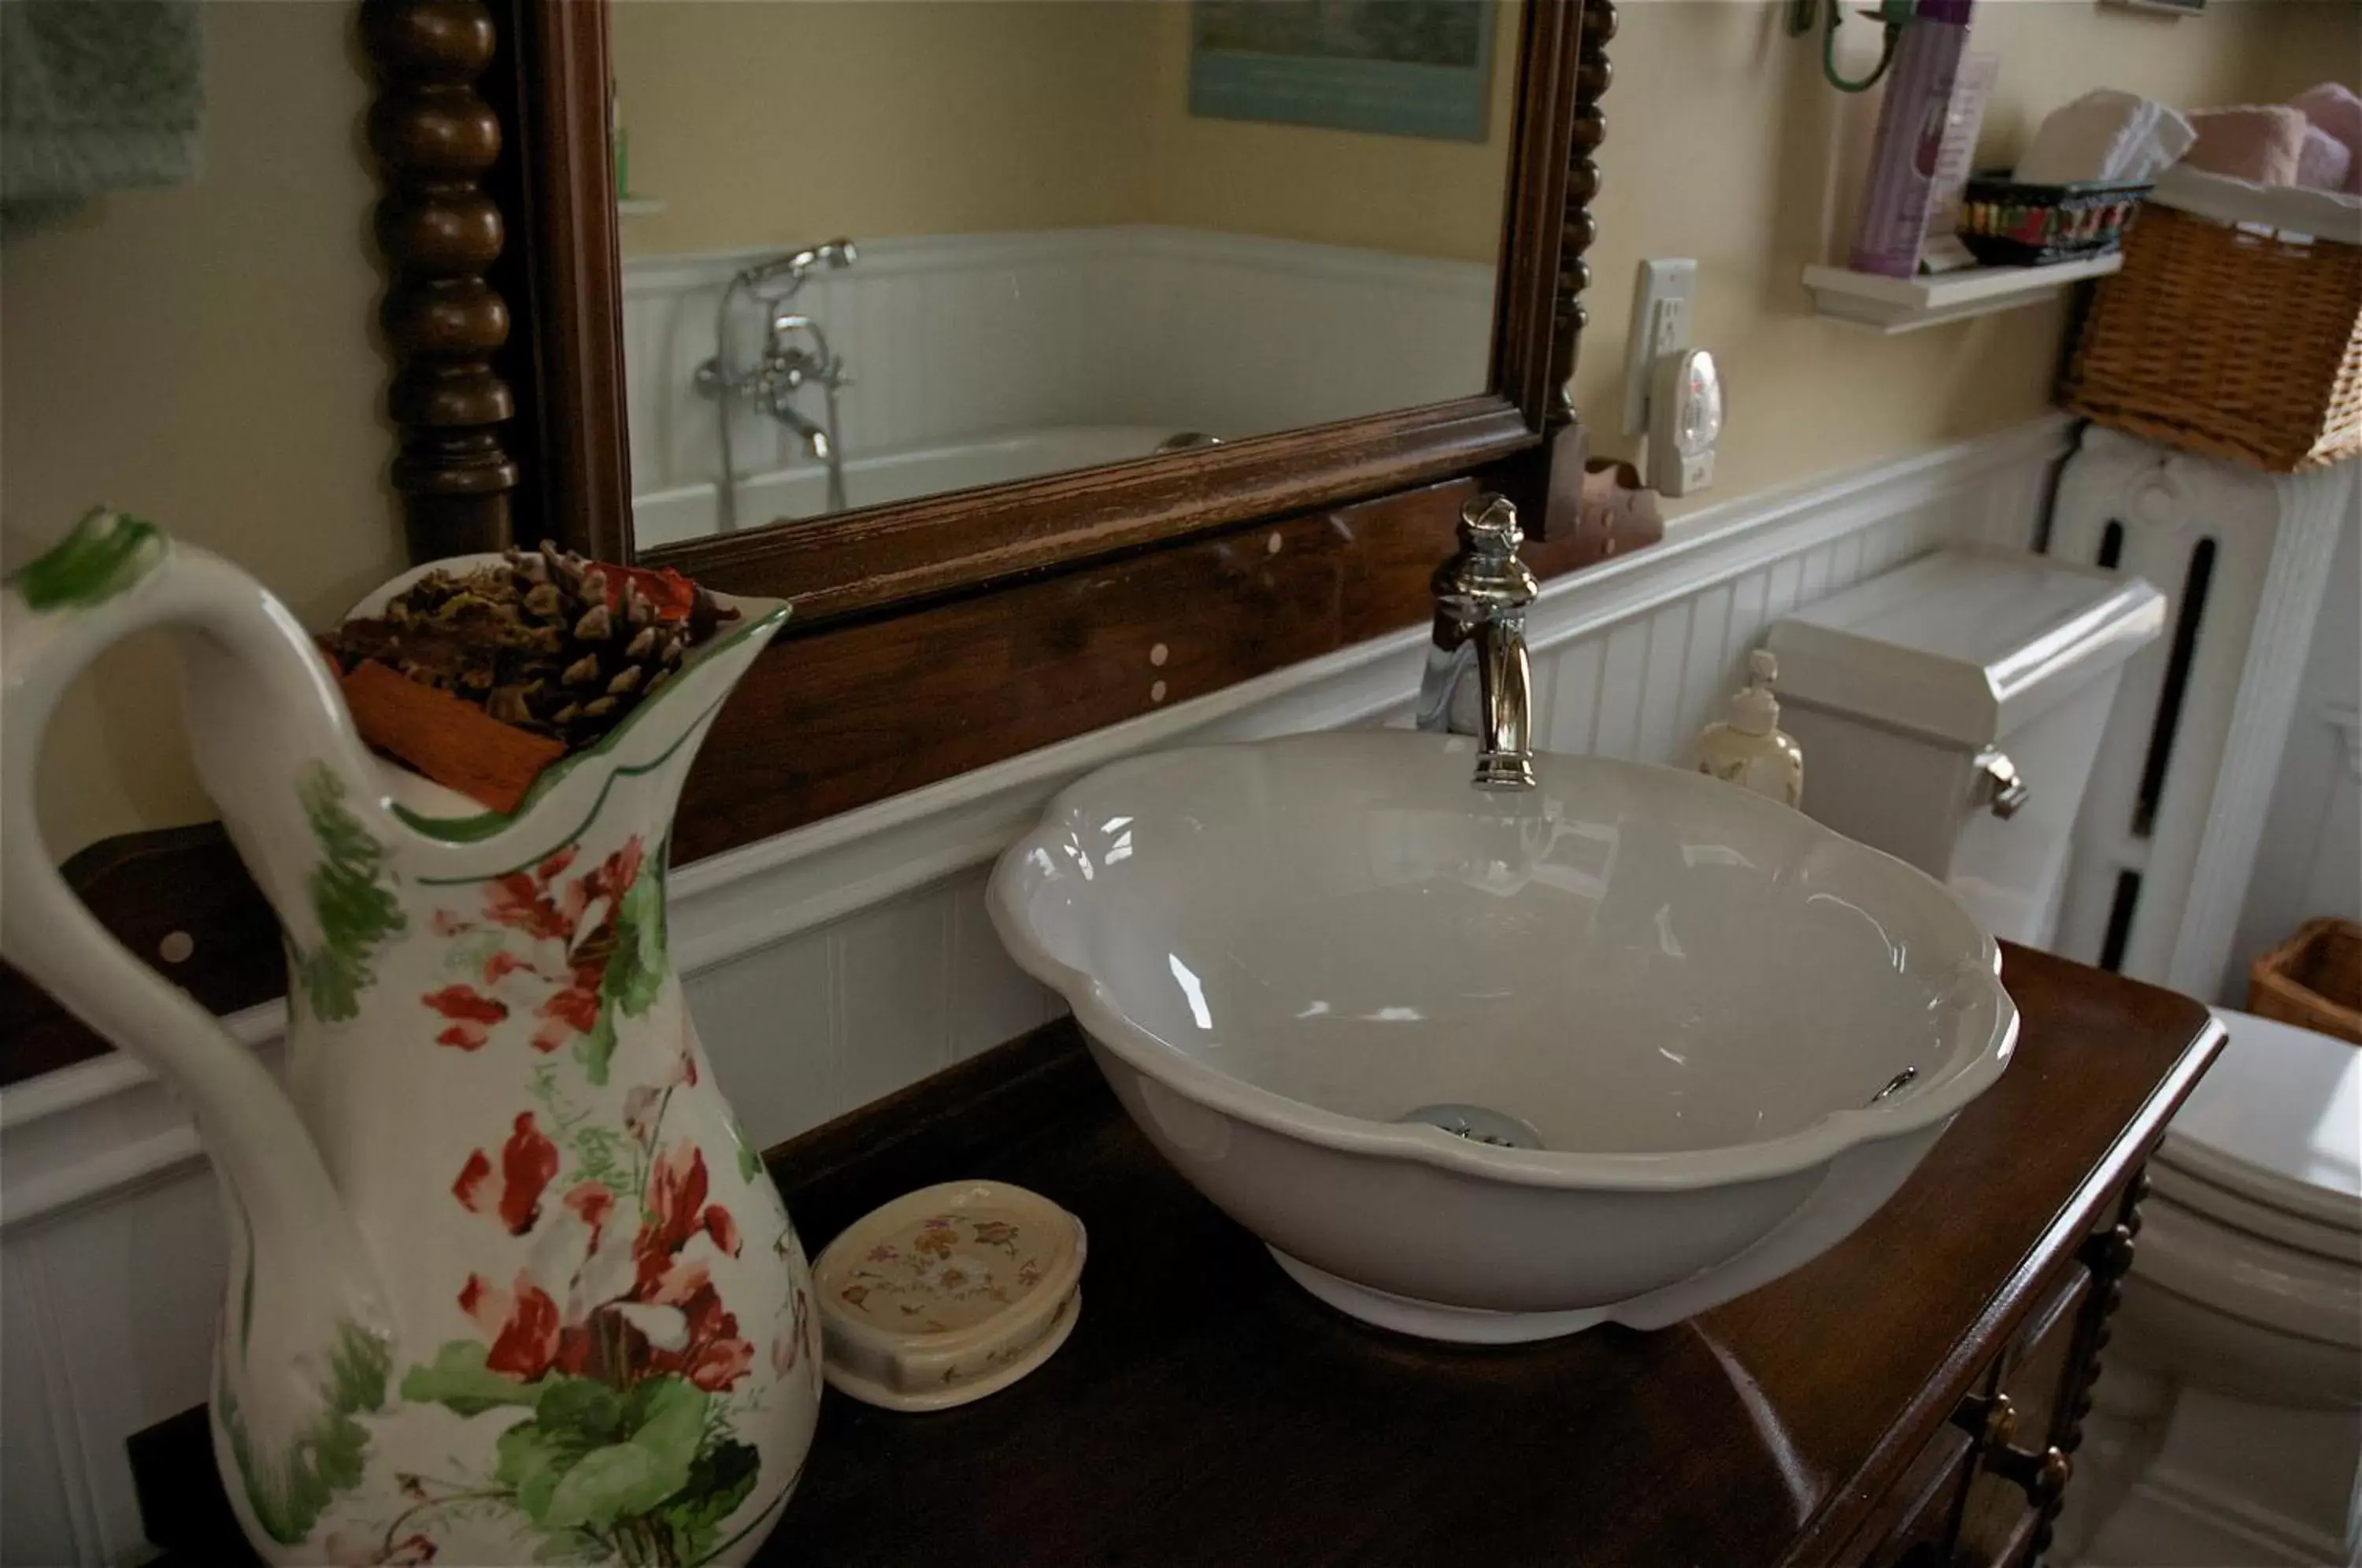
[503, 315]
[1074, 601]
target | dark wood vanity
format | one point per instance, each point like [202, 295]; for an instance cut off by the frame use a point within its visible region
[1913, 1399]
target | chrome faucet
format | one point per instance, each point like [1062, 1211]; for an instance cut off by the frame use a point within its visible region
[795, 353]
[835, 255]
[787, 365]
[1481, 596]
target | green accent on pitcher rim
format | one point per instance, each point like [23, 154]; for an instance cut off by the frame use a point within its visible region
[573, 835]
[106, 553]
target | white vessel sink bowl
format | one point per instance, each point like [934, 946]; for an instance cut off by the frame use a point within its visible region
[1687, 996]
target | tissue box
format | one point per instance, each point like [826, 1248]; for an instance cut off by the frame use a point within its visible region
[2007, 223]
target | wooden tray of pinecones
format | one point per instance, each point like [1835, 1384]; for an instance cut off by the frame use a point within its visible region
[481, 679]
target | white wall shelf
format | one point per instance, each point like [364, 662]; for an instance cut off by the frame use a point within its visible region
[1907, 304]
[639, 207]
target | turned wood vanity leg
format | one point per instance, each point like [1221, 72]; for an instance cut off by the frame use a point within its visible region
[2108, 1256]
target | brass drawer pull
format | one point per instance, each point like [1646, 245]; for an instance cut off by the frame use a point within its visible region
[1991, 1419]
[2043, 1475]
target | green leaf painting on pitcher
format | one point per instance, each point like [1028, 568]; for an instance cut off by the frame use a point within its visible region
[635, 970]
[645, 1474]
[289, 1490]
[356, 909]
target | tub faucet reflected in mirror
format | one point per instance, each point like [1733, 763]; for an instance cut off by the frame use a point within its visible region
[1481, 596]
[795, 354]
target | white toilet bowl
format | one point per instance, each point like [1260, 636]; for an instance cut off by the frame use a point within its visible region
[2222, 1309]
[2236, 1350]
[2248, 1278]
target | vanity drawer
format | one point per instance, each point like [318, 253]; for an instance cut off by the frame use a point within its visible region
[1918, 1532]
[2021, 1465]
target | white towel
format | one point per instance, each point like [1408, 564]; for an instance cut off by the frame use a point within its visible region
[2105, 134]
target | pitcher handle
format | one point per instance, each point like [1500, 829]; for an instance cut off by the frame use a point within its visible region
[112, 577]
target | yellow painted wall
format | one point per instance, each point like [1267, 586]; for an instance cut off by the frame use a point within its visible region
[1407, 194]
[1724, 144]
[775, 124]
[785, 123]
[202, 355]
[2314, 40]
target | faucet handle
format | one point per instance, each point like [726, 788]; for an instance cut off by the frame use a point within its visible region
[1486, 581]
[1488, 527]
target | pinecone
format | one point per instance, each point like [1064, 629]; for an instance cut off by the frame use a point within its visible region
[542, 640]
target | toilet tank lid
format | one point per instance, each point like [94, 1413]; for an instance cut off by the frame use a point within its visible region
[1965, 643]
[2279, 1120]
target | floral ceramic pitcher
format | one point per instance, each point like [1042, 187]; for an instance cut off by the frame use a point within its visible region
[507, 1283]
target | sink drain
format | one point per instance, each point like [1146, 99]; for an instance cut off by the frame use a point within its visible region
[1476, 1125]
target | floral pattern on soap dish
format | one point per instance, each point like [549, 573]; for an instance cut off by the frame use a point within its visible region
[936, 1277]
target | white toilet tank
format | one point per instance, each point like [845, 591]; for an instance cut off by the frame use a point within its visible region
[1949, 711]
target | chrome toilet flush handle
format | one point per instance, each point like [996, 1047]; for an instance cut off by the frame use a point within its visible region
[2004, 792]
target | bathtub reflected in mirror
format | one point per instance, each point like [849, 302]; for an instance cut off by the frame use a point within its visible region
[878, 251]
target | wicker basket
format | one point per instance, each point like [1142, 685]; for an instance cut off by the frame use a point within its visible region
[2221, 341]
[2314, 979]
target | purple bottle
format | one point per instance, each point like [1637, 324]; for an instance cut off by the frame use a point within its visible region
[1910, 136]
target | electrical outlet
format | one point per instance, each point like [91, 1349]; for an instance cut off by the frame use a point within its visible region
[1671, 332]
[1662, 295]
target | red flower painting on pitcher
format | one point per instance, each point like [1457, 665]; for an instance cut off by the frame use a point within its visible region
[616, 1338]
[591, 1305]
[591, 943]
[609, 1329]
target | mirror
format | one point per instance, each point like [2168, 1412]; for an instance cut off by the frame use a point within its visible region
[874, 250]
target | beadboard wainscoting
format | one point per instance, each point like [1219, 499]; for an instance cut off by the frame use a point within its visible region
[961, 336]
[834, 964]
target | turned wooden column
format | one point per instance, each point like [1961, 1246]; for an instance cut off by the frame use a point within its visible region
[1568, 316]
[2108, 1257]
[1563, 431]
[439, 230]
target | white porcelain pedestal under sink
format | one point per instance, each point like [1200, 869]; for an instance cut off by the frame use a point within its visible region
[1688, 1038]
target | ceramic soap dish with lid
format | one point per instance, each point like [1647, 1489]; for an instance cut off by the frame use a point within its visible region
[948, 1294]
